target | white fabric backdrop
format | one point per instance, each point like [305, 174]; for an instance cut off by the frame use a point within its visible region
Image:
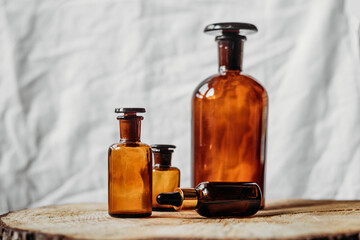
[65, 66]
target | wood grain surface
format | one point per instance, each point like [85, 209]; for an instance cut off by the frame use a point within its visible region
[285, 219]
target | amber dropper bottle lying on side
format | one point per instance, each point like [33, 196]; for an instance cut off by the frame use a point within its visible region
[165, 177]
[216, 199]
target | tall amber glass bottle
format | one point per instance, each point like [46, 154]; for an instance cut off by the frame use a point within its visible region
[130, 166]
[165, 177]
[229, 116]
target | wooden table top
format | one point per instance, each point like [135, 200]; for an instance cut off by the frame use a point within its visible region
[284, 219]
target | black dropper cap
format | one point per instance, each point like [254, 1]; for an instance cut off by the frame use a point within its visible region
[173, 199]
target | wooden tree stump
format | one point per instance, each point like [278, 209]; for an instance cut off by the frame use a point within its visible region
[286, 219]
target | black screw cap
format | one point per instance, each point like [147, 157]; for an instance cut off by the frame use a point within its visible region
[163, 147]
[230, 28]
[130, 110]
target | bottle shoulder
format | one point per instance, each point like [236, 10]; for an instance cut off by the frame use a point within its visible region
[219, 83]
[129, 145]
[256, 83]
[165, 168]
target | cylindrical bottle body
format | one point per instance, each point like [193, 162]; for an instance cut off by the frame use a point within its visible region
[130, 180]
[229, 119]
[165, 180]
[216, 199]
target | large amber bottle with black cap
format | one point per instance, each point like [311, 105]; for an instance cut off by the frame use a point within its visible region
[229, 115]
[166, 178]
[130, 167]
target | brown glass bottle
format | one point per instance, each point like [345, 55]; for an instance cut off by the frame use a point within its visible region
[216, 199]
[130, 166]
[229, 116]
[165, 177]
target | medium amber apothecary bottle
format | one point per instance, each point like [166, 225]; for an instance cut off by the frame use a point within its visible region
[229, 116]
[166, 178]
[130, 166]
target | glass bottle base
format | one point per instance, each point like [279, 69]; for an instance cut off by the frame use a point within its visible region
[130, 215]
[164, 209]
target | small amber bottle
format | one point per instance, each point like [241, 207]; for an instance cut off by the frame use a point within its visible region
[165, 177]
[130, 165]
[216, 199]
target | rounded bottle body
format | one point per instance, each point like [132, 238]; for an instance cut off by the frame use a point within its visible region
[229, 118]
[218, 199]
[130, 180]
[165, 179]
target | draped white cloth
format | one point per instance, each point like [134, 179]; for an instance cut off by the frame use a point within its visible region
[65, 65]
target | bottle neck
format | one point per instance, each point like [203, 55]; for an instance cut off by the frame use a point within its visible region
[163, 158]
[182, 199]
[230, 53]
[130, 130]
[190, 198]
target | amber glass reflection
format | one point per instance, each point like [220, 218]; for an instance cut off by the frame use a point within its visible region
[130, 164]
[229, 113]
[165, 179]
